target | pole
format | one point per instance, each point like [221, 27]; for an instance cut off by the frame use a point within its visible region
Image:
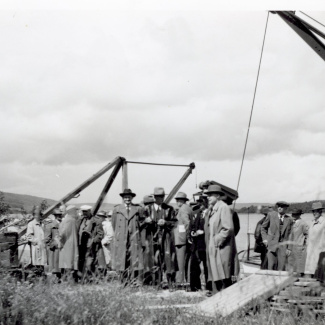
[125, 176]
[180, 183]
[81, 187]
[106, 188]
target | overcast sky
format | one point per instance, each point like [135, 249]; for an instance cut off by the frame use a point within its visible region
[79, 88]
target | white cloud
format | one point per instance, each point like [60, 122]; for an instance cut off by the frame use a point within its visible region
[79, 88]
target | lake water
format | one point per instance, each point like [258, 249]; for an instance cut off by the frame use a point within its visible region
[248, 224]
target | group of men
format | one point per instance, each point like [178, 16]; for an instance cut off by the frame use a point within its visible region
[71, 242]
[158, 244]
[281, 239]
[152, 243]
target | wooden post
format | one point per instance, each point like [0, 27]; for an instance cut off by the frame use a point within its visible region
[85, 184]
[106, 188]
[125, 183]
[179, 184]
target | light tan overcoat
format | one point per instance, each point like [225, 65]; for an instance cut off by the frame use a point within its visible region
[315, 244]
[221, 246]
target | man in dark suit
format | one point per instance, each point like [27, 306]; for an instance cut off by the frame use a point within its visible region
[275, 231]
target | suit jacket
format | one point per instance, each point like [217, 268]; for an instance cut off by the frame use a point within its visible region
[183, 219]
[270, 230]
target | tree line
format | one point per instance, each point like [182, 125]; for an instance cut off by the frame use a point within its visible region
[304, 206]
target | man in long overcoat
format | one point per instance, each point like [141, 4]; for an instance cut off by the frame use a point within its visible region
[221, 244]
[127, 220]
[69, 251]
[275, 230]
[298, 243]
[36, 237]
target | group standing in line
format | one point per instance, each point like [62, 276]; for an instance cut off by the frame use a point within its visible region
[149, 244]
[287, 243]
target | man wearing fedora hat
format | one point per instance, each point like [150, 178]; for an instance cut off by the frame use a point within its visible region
[222, 255]
[147, 233]
[298, 241]
[316, 243]
[275, 231]
[184, 215]
[161, 222]
[127, 219]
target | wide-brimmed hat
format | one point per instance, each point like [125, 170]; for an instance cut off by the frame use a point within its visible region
[282, 204]
[160, 191]
[317, 206]
[296, 211]
[85, 207]
[148, 199]
[214, 189]
[181, 196]
[101, 213]
[57, 212]
[127, 191]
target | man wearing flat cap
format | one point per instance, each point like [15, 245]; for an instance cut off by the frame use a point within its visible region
[275, 230]
[220, 240]
[127, 220]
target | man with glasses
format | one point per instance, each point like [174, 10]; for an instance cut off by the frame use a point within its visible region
[275, 231]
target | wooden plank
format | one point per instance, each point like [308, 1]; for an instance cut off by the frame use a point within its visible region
[307, 300]
[275, 273]
[243, 294]
[307, 284]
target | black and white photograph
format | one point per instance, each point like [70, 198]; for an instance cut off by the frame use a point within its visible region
[162, 162]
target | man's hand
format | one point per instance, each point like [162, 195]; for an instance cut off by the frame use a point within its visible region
[265, 243]
[161, 222]
[288, 252]
[148, 220]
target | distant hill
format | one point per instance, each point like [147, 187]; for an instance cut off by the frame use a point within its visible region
[19, 201]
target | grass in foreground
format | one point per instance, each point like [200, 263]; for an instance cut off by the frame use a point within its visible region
[109, 303]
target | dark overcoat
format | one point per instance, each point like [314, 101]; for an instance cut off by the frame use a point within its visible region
[127, 237]
[52, 244]
[97, 248]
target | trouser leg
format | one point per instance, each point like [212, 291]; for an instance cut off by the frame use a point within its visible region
[180, 253]
[282, 257]
[272, 260]
[195, 272]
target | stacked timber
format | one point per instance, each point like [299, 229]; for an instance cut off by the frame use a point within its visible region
[304, 295]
